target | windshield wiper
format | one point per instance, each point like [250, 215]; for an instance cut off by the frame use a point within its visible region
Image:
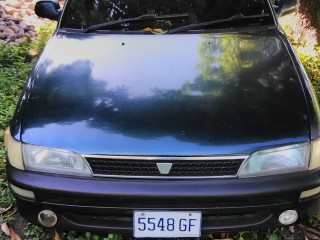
[145, 17]
[225, 20]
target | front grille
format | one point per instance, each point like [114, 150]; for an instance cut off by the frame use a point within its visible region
[188, 167]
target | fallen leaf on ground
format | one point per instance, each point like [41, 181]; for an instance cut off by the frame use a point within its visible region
[310, 233]
[56, 237]
[33, 53]
[5, 229]
[10, 232]
[5, 209]
[311, 236]
[14, 235]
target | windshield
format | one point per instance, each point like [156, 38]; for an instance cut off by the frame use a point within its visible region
[81, 14]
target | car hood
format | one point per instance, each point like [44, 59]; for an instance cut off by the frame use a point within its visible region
[188, 94]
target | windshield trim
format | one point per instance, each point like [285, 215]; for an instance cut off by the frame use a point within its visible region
[200, 31]
[268, 4]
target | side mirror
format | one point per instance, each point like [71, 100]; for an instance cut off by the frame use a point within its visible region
[284, 6]
[48, 9]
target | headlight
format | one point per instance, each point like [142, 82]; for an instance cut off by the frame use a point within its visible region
[281, 160]
[49, 160]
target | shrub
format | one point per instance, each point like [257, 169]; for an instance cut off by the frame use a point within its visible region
[305, 42]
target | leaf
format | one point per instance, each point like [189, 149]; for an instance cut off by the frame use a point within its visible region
[95, 237]
[156, 31]
[273, 237]
[241, 237]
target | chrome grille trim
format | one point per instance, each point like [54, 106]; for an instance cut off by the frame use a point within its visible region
[167, 158]
[163, 177]
[242, 158]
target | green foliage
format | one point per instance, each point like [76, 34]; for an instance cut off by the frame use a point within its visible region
[13, 56]
[38, 233]
[315, 221]
[44, 33]
[276, 234]
[15, 65]
[312, 66]
[6, 200]
[90, 236]
[305, 42]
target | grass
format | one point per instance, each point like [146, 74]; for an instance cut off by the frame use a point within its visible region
[17, 62]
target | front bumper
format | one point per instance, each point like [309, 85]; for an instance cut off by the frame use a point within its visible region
[107, 204]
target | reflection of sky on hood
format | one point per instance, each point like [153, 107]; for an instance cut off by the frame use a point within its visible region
[121, 60]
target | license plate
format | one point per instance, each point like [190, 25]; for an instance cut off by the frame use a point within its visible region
[167, 224]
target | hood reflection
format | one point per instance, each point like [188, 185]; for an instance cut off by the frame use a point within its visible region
[206, 92]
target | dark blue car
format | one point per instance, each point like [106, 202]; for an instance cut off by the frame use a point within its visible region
[166, 119]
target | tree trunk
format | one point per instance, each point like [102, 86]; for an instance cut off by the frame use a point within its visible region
[311, 10]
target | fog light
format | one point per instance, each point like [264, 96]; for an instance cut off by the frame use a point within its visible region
[47, 218]
[288, 217]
